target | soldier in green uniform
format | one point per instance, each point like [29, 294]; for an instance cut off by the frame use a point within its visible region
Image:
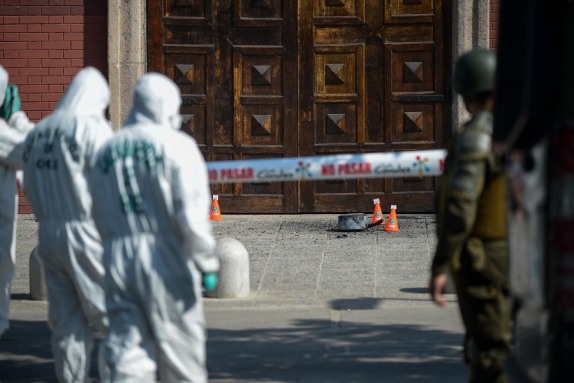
[471, 226]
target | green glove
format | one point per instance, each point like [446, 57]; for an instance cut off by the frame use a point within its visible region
[16, 102]
[12, 102]
[210, 281]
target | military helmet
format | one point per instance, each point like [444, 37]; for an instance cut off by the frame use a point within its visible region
[474, 72]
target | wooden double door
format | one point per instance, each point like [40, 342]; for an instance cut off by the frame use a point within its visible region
[288, 78]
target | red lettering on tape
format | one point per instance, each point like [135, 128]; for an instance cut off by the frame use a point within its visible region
[236, 173]
[354, 168]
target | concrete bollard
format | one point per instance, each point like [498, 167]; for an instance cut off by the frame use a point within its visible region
[234, 270]
[37, 280]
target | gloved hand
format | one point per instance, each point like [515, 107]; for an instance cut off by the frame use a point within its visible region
[12, 102]
[209, 281]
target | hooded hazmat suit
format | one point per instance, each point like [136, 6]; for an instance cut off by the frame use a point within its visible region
[13, 128]
[58, 155]
[152, 209]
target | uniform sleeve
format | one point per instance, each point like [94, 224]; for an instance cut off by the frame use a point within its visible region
[11, 145]
[465, 186]
[192, 204]
[19, 121]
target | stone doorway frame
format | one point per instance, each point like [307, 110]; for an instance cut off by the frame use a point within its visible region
[127, 54]
[127, 48]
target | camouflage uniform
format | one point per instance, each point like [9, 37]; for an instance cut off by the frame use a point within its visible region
[472, 245]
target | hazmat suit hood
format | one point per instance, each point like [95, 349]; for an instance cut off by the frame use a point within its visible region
[83, 104]
[3, 83]
[156, 101]
[87, 95]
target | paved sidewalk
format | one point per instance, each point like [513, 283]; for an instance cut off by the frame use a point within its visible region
[325, 306]
[305, 260]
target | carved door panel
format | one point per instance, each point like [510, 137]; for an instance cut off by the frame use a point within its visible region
[285, 78]
[235, 62]
[371, 81]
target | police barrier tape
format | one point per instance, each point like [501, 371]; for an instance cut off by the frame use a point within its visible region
[343, 166]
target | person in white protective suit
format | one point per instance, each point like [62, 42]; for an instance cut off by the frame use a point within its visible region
[152, 208]
[13, 128]
[58, 155]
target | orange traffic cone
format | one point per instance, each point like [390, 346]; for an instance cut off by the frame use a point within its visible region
[215, 214]
[392, 223]
[378, 217]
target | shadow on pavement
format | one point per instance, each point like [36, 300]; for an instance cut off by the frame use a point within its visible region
[312, 351]
[315, 351]
[25, 354]
[365, 303]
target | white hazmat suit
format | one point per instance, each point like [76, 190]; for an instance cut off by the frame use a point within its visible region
[152, 208]
[58, 155]
[12, 134]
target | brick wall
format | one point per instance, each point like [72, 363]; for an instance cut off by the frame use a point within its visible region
[44, 43]
[494, 23]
